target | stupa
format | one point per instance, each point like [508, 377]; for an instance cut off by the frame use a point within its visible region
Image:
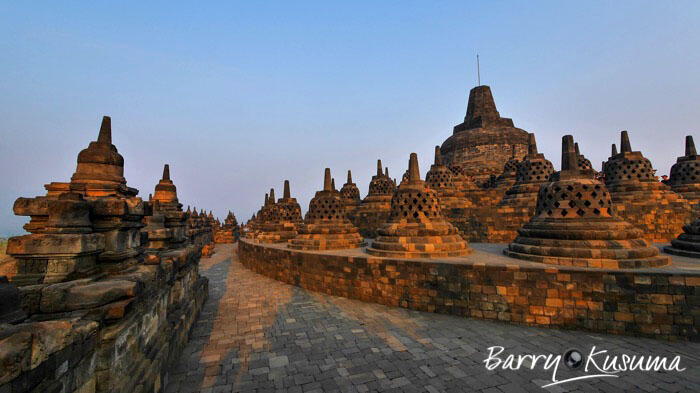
[416, 227]
[350, 195]
[113, 211]
[375, 208]
[576, 224]
[283, 218]
[583, 163]
[482, 144]
[168, 205]
[229, 231]
[441, 180]
[325, 225]
[641, 199]
[688, 243]
[533, 171]
[510, 169]
[499, 221]
[685, 174]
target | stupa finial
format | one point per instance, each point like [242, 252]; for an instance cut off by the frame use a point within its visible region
[531, 145]
[578, 152]
[166, 172]
[386, 171]
[286, 194]
[438, 158]
[613, 153]
[327, 180]
[105, 135]
[690, 146]
[349, 177]
[267, 199]
[625, 146]
[272, 196]
[333, 184]
[413, 171]
[568, 153]
[379, 167]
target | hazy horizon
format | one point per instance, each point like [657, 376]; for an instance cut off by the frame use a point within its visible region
[239, 97]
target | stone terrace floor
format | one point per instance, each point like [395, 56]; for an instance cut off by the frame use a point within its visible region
[259, 335]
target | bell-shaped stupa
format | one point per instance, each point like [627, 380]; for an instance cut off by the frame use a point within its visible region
[533, 171]
[441, 180]
[325, 225]
[688, 243]
[685, 174]
[576, 225]
[283, 218]
[416, 227]
[482, 144]
[374, 209]
[350, 195]
[640, 198]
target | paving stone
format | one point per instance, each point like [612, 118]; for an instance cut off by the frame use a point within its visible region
[257, 334]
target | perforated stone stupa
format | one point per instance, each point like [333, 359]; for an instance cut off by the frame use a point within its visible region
[688, 243]
[641, 199]
[283, 219]
[416, 227]
[375, 208]
[685, 174]
[576, 224]
[325, 225]
[482, 144]
[350, 195]
[441, 180]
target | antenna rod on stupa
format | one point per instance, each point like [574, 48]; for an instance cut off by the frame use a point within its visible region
[327, 180]
[690, 146]
[625, 146]
[272, 195]
[286, 194]
[531, 145]
[166, 172]
[105, 135]
[413, 172]
[438, 159]
[379, 167]
[614, 150]
[478, 71]
[568, 153]
[349, 177]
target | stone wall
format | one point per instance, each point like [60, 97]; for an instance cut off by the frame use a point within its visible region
[118, 343]
[660, 304]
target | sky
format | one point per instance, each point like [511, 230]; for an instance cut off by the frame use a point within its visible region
[238, 96]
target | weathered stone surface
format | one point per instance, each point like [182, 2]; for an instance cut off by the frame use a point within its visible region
[576, 225]
[688, 243]
[326, 226]
[685, 175]
[641, 199]
[375, 208]
[416, 227]
[484, 142]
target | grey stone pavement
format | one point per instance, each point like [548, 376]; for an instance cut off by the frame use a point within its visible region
[259, 335]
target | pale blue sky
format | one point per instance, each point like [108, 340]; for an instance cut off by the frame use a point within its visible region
[239, 96]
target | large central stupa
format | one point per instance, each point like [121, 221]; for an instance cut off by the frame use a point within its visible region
[485, 141]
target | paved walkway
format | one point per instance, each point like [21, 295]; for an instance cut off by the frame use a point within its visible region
[259, 335]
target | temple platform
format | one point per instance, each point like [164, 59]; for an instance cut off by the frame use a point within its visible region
[652, 302]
